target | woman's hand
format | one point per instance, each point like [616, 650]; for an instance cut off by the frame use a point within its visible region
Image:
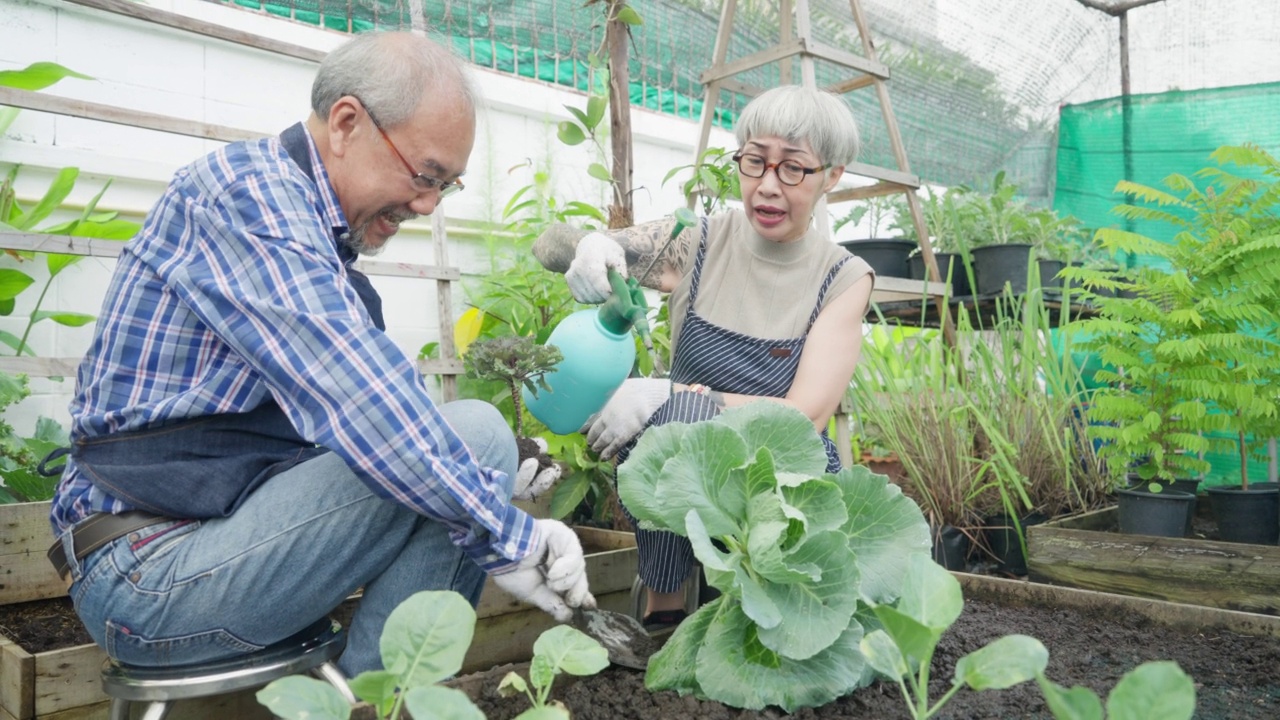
[625, 415]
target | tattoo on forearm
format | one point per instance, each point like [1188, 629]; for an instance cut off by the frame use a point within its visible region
[555, 247]
[642, 243]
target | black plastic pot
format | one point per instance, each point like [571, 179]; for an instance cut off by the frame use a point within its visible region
[1187, 485]
[1006, 542]
[1163, 514]
[887, 257]
[1049, 270]
[949, 265]
[1247, 516]
[951, 548]
[996, 265]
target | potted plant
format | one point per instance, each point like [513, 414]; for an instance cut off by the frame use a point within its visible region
[948, 216]
[518, 363]
[1000, 246]
[1058, 242]
[1184, 356]
[887, 256]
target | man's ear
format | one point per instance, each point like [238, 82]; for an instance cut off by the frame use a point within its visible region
[833, 177]
[344, 124]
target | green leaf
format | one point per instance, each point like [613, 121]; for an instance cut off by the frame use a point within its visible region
[1003, 663]
[1078, 703]
[512, 683]
[673, 666]
[826, 605]
[7, 116]
[13, 282]
[571, 651]
[69, 319]
[570, 133]
[627, 14]
[726, 672]
[58, 191]
[377, 687]
[426, 637]
[884, 527]
[883, 655]
[930, 594]
[546, 712]
[599, 172]
[1153, 691]
[37, 76]
[913, 638]
[441, 703]
[569, 494]
[596, 105]
[57, 262]
[298, 697]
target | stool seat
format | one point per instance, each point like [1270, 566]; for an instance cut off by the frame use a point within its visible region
[311, 650]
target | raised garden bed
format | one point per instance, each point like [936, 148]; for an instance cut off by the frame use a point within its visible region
[1088, 551]
[1092, 638]
[61, 682]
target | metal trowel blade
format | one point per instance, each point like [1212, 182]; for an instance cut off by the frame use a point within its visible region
[625, 639]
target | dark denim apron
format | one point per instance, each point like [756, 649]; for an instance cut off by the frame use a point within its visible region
[730, 362]
[206, 467]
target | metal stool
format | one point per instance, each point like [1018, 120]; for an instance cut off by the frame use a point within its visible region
[311, 650]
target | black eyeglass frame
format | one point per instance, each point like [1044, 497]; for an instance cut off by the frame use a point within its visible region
[776, 168]
[422, 181]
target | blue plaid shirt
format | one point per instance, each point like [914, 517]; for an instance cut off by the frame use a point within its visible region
[233, 292]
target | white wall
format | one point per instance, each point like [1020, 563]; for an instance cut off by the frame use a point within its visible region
[143, 66]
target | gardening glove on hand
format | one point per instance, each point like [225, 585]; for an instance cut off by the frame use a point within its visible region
[625, 415]
[553, 576]
[532, 482]
[588, 274]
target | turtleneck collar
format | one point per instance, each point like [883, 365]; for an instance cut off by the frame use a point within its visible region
[780, 253]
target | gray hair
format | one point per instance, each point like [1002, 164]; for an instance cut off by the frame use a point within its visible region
[390, 73]
[797, 113]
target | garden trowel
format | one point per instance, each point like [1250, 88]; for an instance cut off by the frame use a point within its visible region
[626, 640]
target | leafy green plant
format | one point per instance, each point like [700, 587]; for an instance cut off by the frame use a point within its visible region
[881, 212]
[803, 553]
[423, 643]
[1157, 689]
[19, 456]
[903, 650]
[1193, 352]
[713, 180]
[558, 649]
[518, 362]
[931, 601]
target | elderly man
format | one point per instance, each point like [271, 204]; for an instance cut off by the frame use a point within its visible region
[248, 445]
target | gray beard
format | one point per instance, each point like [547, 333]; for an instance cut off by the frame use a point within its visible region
[355, 243]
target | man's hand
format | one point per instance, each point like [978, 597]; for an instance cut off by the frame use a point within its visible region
[588, 274]
[553, 576]
[625, 415]
[532, 482]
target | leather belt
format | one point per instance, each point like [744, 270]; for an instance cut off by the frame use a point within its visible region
[98, 530]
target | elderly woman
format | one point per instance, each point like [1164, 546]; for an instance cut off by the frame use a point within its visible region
[762, 307]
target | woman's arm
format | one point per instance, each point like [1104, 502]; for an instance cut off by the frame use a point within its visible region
[641, 243]
[830, 355]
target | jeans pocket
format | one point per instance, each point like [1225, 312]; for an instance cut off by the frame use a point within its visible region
[141, 555]
[132, 648]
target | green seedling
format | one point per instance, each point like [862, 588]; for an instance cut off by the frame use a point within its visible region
[1151, 691]
[423, 643]
[559, 649]
[903, 650]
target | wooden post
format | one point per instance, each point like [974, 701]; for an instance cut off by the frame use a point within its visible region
[617, 36]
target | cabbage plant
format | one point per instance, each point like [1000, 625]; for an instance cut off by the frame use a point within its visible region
[798, 555]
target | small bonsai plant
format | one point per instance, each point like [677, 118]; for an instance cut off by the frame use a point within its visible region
[518, 362]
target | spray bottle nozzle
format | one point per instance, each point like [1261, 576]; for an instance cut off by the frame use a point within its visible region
[626, 308]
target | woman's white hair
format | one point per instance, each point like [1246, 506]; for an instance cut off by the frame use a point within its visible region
[797, 113]
[391, 73]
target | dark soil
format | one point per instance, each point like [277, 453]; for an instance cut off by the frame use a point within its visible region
[42, 625]
[527, 448]
[1237, 677]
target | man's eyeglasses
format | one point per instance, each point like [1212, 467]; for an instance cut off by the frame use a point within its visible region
[421, 181]
[789, 172]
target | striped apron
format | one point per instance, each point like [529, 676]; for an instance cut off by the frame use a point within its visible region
[730, 362]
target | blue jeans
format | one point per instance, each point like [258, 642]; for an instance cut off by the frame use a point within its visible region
[190, 591]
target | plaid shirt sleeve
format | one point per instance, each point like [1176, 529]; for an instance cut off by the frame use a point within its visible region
[257, 266]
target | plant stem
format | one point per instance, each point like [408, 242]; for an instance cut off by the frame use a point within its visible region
[32, 319]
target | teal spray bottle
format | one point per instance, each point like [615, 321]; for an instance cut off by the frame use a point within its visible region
[598, 355]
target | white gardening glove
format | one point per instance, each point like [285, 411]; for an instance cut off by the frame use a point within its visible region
[553, 576]
[531, 483]
[625, 415]
[588, 274]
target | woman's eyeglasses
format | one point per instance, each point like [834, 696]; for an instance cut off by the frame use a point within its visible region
[789, 172]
